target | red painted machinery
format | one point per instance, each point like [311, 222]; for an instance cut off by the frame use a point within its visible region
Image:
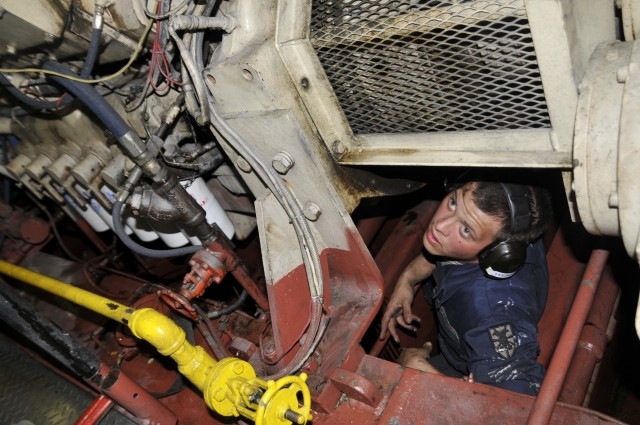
[206, 203]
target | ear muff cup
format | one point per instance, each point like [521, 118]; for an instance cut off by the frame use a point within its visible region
[502, 259]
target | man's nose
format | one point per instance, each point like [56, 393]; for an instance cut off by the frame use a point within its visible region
[443, 224]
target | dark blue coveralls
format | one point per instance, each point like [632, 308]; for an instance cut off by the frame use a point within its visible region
[489, 327]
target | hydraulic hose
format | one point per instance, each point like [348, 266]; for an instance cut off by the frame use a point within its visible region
[230, 308]
[118, 229]
[198, 38]
[92, 53]
[27, 100]
[190, 23]
[90, 97]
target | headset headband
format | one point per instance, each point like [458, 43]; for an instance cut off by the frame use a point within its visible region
[519, 207]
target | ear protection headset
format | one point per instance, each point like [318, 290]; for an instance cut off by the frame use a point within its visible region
[502, 259]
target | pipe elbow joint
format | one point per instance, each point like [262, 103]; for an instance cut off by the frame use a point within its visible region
[148, 203]
[158, 330]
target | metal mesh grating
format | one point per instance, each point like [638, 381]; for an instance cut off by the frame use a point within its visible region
[430, 65]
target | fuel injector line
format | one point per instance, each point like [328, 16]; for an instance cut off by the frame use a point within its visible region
[228, 385]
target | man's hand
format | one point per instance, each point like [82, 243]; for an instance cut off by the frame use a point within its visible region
[417, 358]
[398, 312]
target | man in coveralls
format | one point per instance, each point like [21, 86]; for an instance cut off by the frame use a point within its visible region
[489, 285]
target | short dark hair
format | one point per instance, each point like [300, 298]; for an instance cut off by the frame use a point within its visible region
[490, 197]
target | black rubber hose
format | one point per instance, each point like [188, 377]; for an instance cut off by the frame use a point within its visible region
[90, 60]
[27, 100]
[230, 308]
[92, 54]
[88, 95]
[118, 228]
[197, 49]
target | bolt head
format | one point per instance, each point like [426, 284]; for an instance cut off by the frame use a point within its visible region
[243, 165]
[219, 395]
[312, 211]
[282, 162]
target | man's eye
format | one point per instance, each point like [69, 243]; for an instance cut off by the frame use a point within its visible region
[466, 232]
[452, 202]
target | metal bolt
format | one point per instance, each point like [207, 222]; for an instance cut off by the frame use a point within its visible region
[338, 147]
[304, 82]
[311, 211]
[294, 417]
[282, 162]
[269, 349]
[219, 395]
[243, 164]
[237, 368]
[255, 397]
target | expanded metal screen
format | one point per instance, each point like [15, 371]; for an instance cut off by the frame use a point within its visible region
[426, 65]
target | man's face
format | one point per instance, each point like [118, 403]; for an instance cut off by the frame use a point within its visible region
[459, 230]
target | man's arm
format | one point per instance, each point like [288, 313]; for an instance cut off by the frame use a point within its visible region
[503, 352]
[399, 306]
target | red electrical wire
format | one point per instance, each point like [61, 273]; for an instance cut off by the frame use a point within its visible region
[159, 63]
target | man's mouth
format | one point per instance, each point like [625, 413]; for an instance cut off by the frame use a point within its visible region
[431, 237]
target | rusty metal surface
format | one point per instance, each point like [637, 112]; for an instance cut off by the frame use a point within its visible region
[412, 397]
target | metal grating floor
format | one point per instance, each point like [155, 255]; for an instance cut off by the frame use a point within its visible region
[430, 65]
[31, 393]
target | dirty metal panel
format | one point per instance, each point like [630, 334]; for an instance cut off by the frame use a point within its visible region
[428, 66]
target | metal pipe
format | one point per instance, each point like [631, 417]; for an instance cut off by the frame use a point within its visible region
[130, 395]
[592, 343]
[547, 397]
[96, 410]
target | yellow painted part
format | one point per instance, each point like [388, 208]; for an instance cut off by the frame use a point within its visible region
[170, 340]
[101, 305]
[226, 384]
